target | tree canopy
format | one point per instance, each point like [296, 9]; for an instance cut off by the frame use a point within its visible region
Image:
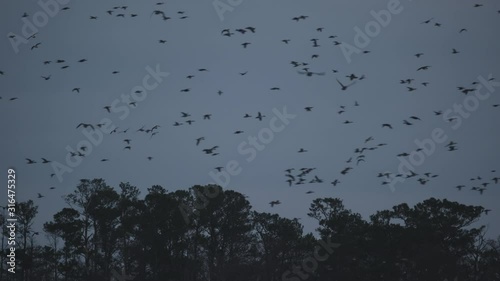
[207, 233]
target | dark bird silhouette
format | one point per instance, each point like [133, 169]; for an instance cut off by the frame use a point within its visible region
[36, 45]
[76, 90]
[198, 140]
[40, 195]
[45, 161]
[343, 87]
[310, 73]
[85, 125]
[346, 170]
[210, 150]
[29, 161]
[260, 116]
[427, 21]
[276, 202]
[387, 126]
[46, 77]
[351, 76]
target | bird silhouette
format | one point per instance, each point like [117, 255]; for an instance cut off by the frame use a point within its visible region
[45, 161]
[276, 202]
[343, 87]
[260, 116]
[310, 73]
[387, 126]
[85, 125]
[36, 45]
[198, 140]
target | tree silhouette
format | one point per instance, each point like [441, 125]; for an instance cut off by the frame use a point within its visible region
[107, 232]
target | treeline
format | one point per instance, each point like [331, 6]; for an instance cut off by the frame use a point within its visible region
[187, 235]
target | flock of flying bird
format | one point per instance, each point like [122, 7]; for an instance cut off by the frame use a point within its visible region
[294, 176]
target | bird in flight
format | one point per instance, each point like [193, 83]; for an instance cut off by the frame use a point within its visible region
[276, 202]
[387, 126]
[36, 45]
[85, 125]
[343, 87]
[310, 73]
[45, 161]
[260, 116]
[198, 140]
[210, 150]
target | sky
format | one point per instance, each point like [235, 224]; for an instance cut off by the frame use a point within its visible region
[42, 121]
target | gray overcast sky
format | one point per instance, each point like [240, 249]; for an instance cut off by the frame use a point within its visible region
[42, 121]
